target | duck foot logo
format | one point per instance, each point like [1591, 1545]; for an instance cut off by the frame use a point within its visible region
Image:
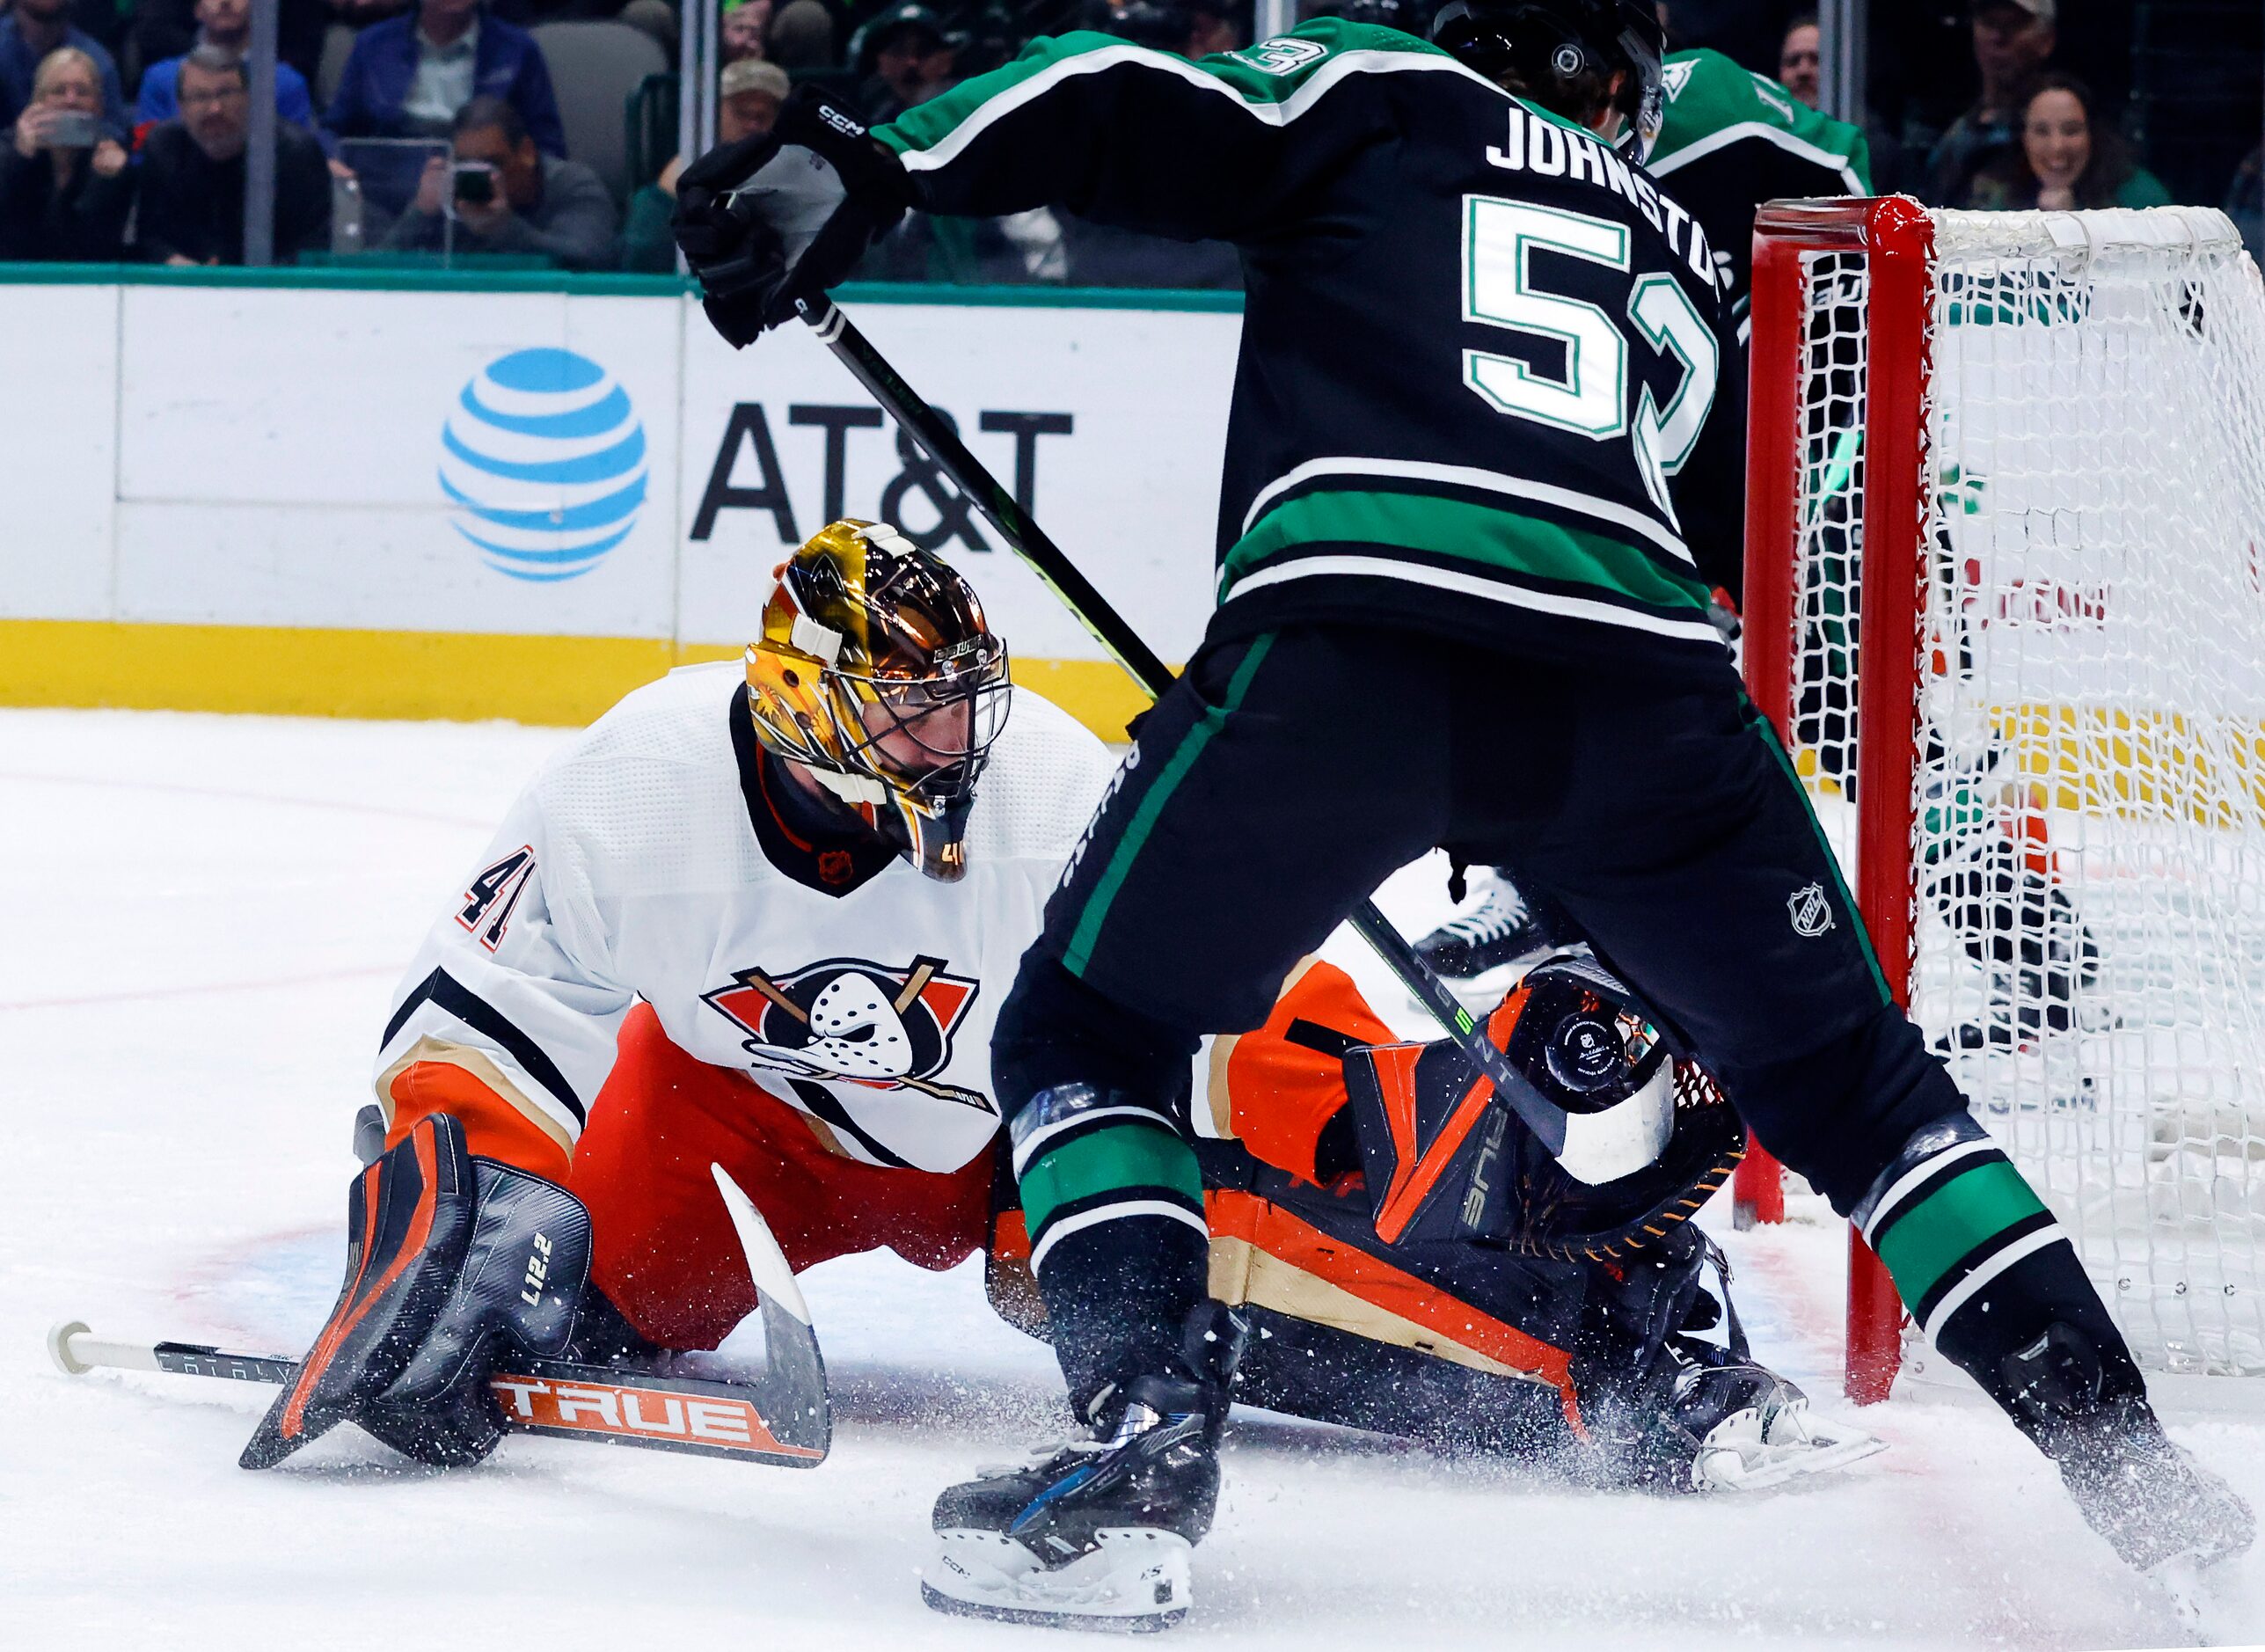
[855, 1022]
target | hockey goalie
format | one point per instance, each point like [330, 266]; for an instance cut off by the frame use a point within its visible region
[762, 920]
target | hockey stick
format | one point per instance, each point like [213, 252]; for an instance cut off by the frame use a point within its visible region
[1028, 541]
[781, 1417]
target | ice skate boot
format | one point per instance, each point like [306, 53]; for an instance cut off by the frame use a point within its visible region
[1090, 1534]
[2164, 1513]
[1504, 931]
[1732, 1424]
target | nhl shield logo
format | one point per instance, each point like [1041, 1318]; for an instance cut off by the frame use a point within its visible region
[1810, 911]
[854, 1023]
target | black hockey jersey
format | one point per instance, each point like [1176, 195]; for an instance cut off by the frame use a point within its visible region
[1485, 386]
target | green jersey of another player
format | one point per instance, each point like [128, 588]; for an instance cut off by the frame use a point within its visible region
[1733, 140]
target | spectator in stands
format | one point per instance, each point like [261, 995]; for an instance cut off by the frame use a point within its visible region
[227, 25]
[508, 196]
[744, 30]
[192, 170]
[2013, 39]
[1801, 58]
[64, 188]
[412, 77]
[28, 33]
[907, 57]
[2067, 159]
[165, 29]
[749, 98]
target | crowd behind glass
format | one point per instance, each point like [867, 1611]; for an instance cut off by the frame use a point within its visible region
[413, 131]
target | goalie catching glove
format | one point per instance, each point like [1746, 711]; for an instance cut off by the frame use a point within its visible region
[447, 1258]
[785, 214]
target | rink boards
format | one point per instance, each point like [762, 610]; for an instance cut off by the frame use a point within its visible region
[421, 501]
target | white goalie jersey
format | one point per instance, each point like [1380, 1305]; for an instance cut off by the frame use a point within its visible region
[647, 862]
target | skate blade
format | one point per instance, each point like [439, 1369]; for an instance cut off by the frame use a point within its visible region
[1136, 1582]
[1795, 1446]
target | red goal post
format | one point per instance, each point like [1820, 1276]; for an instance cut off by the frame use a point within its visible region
[1897, 240]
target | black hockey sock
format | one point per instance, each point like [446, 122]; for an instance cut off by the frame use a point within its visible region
[1113, 1199]
[1983, 1266]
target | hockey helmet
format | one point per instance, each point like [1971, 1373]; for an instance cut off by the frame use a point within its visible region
[876, 672]
[1563, 53]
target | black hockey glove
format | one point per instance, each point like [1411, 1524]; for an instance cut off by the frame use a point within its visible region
[449, 1259]
[786, 215]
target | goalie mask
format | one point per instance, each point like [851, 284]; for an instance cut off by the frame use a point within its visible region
[877, 673]
[1563, 54]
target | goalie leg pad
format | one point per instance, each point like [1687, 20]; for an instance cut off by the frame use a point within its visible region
[446, 1257]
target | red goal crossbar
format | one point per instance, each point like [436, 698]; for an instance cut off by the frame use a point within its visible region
[1896, 240]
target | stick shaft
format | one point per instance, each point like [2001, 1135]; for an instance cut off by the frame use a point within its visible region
[1028, 541]
[537, 1396]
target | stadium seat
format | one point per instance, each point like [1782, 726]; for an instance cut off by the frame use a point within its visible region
[595, 68]
[338, 46]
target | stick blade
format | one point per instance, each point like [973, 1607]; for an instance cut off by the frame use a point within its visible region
[793, 1385]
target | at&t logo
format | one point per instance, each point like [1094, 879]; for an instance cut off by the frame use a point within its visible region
[543, 459]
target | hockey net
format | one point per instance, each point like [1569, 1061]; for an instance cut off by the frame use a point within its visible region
[2006, 597]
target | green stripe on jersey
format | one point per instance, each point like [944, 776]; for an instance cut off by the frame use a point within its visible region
[1708, 93]
[1079, 953]
[1121, 1157]
[1930, 1239]
[1261, 75]
[1480, 534]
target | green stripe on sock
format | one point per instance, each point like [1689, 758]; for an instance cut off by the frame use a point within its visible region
[1121, 1155]
[1927, 1241]
[1079, 953]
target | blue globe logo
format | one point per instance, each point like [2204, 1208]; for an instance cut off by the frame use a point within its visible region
[544, 462]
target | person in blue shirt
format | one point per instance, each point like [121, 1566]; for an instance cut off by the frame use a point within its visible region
[28, 33]
[226, 23]
[408, 76]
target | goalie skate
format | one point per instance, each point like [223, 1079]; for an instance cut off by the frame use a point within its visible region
[1752, 1431]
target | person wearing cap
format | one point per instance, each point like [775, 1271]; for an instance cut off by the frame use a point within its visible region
[2012, 41]
[909, 56]
[748, 97]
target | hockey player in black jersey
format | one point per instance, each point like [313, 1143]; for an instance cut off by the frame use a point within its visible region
[1483, 467]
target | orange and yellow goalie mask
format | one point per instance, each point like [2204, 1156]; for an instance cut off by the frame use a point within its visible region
[876, 672]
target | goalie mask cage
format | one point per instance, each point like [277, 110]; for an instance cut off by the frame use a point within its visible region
[2006, 522]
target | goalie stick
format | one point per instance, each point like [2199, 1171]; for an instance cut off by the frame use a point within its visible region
[1039, 553]
[781, 1417]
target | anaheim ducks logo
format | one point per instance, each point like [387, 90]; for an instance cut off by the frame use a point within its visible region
[855, 1022]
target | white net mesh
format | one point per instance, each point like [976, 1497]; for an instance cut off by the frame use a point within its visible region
[2089, 840]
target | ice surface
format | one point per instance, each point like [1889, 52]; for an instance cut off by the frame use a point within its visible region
[200, 918]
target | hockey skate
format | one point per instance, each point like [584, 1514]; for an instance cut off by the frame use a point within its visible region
[1091, 1534]
[2166, 1516]
[1484, 947]
[1733, 1425]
